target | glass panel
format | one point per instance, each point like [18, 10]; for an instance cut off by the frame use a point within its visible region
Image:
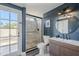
[14, 33]
[4, 41]
[14, 44]
[4, 15]
[4, 50]
[4, 28]
[13, 40]
[31, 25]
[13, 24]
[13, 28]
[33, 32]
[4, 32]
[13, 16]
[4, 45]
[14, 47]
[33, 39]
[9, 29]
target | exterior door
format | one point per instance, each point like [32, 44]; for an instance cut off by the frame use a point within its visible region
[10, 30]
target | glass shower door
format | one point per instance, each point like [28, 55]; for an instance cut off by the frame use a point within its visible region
[33, 32]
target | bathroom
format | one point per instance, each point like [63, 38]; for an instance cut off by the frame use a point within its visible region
[39, 29]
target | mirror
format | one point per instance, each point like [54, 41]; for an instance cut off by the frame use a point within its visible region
[67, 25]
[62, 26]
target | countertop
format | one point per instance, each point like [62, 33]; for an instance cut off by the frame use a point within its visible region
[69, 41]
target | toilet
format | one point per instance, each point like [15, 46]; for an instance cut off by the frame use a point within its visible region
[42, 46]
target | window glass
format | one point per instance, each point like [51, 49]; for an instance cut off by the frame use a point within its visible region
[4, 41]
[4, 28]
[13, 25]
[8, 32]
[4, 50]
[14, 43]
[14, 47]
[4, 15]
[13, 16]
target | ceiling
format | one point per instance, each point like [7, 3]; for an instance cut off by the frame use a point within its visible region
[38, 9]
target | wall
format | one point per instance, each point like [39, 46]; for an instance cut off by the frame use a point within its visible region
[73, 24]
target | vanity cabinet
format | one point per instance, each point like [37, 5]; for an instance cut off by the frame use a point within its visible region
[57, 48]
[53, 49]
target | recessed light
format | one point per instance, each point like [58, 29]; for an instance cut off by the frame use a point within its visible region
[68, 10]
[59, 13]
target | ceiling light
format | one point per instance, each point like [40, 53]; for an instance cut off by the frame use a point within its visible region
[59, 13]
[68, 10]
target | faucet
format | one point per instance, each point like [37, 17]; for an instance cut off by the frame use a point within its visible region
[63, 36]
[67, 36]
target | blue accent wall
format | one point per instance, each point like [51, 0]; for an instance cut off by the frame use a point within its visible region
[73, 24]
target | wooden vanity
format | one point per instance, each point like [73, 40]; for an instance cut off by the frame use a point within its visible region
[62, 48]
